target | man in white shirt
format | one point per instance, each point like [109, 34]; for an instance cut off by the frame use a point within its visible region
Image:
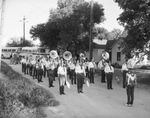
[124, 70]
[62, 76]
[91, 68]
[131, 81]
[109, 70]
[80, 73]
[101, 66]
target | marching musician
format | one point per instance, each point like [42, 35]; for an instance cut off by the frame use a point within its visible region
[72, 72]
[101, 66]
[39, 70]
[23, 60]
[109, 70]
[50, 72]
[80, 73]
[62, 76]
[131, 81]
[91, 68]
[124, 71]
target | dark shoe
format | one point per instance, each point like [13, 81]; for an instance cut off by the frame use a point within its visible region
[111, 88]
[63, 93]
[81, 91]
[51, 86]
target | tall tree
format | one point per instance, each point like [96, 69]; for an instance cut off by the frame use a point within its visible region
[68, 25]
[135, 18]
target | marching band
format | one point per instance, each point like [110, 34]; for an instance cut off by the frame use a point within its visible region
[78, 70]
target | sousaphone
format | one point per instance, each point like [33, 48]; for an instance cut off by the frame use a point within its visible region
[67, 55]
[105, 55]
[53, 54]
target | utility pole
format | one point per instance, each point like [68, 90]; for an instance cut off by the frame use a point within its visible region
[2, 11]
[91, 35]
[24, 22]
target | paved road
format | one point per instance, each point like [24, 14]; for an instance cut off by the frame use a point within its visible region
[96, 101]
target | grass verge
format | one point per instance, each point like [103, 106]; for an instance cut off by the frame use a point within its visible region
[20, 97]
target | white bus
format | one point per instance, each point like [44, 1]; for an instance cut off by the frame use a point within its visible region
[27, 51]
[8, 51]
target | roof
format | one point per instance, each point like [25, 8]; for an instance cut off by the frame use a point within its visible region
[99, 44]
[110, 43]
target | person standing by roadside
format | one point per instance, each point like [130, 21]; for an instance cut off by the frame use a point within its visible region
[124, 71]
[109, 70]
[131, 81]
[101, 66]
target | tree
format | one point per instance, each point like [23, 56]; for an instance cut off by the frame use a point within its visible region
[68, 25]
[135, 18]
[17, 42]
[115, 33]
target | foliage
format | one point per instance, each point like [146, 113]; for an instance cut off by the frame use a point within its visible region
[16, 42]
[135, 18]
[68, 25]
[116, 65]
[20, 97]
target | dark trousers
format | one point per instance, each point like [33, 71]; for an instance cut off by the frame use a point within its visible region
[72, 76]
[130, 94]
[22, 67]
[62, 80]
[124, 78]
[87, 72]
[39, 74]
[25, 68]
[102, 76]
[80, 80]
[50, 77]
[44, 72]
[30, 70]
[91, 75]
[34, 72]
[109, 80]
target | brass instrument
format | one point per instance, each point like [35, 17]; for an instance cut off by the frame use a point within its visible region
[105, 55]
[67, 55]
[53, 54]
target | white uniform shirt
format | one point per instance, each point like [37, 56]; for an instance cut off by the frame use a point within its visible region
[109, 69]
[78, 69]
[91, 65]
[62, 70]
[101, 65]
[124, 67]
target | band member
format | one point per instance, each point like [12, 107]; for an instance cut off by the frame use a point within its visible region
[80, 73]
[50, 72]
[109, 70]
[131, 81]
[33, 72]
[86, 68]
[23, 61]
[62, 76]
[72, 72]
[44, 66]
[39, 70]
[124, 70]
[101, 66]
[91, 68]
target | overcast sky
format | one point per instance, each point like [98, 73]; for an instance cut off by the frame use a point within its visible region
[37, 11]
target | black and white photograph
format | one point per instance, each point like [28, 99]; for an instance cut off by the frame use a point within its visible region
[74, 58]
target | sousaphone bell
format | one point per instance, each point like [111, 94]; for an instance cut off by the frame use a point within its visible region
[53, 54]
[105, 55]
[67, 55]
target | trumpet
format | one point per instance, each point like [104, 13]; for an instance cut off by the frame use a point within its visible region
[53, 54]
[67, 55]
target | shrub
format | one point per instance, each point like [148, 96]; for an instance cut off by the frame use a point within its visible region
[116, 65]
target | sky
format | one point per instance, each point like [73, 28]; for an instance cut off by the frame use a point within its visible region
[37, 11]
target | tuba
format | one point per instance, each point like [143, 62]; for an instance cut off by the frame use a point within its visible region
[67, 55]
[53, 54]
[105, 55]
